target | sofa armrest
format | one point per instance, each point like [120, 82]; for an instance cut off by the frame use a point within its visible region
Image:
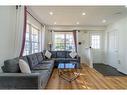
[20, 81]
[78, 58]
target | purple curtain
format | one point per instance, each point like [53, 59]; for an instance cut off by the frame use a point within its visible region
[24, 31]
[75, 39]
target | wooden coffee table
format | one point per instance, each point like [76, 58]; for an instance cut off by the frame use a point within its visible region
[68, 71]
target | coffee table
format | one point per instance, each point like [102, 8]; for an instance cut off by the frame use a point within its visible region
[68, 71]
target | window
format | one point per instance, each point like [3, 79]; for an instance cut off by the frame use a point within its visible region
[32, 44]
[95, 41]
[64, 41]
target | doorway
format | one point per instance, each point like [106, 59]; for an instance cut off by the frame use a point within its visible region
[97, 45]
[113, 48]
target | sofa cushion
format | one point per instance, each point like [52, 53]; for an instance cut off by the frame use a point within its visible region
[48, 54]
[60, 60]
[25, 59]
[48, 61]
[61, 54]
[40, 71]
[12, 65]
[67, 54]
[24, 67]
[3, 69]
[39, 57]
[33, 61]
[73, 54]
[43, 67]
[53, 54]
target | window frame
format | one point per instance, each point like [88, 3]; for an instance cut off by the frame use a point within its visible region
[96, 41]
[30, 51]
[65, 41]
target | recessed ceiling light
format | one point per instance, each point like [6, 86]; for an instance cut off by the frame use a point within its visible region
[55, 23]
[51, 13]
[103, 21]
[77, 23]
[83, 13]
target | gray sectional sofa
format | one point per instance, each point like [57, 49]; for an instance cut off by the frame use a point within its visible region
[12, 78]
[40, 66]
[63, 56]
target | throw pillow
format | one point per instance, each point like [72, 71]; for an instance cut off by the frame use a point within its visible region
[73, 54]
[24, 67]
[48, 54]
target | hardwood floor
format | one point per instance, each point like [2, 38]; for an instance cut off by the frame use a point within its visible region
[88, 79]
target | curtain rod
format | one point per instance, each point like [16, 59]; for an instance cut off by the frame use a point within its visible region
[34, 17]
[64, 30]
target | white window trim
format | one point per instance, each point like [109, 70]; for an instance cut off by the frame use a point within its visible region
[30, 39]
[53, 38]
[96, 33]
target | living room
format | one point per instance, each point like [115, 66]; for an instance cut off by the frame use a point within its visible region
[60, 36]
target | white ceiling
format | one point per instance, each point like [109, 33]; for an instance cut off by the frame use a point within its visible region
[69, 15]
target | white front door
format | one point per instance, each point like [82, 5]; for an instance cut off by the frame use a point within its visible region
[113, 48]
[97, 42]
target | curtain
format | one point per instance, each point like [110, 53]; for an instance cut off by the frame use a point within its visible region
[75, 39]
[18, 32]
[42, 38]
[24, 31]
[52, 40]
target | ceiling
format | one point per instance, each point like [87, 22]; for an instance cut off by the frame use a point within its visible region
[70, 15]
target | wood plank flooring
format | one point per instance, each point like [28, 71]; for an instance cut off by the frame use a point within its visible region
[88, 79]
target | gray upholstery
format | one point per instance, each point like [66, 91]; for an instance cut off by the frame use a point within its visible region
[65, 60]
[53, 54]
[33, 61]
[23, 81]
[48, 61]
[39, 57]
[44, 77]
[3, 69]
[12, 65]
[44, 67]
[61, 54]
[67, 54]
[13, 79]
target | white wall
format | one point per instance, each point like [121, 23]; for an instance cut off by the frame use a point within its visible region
[121, 27]
[7, 32]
